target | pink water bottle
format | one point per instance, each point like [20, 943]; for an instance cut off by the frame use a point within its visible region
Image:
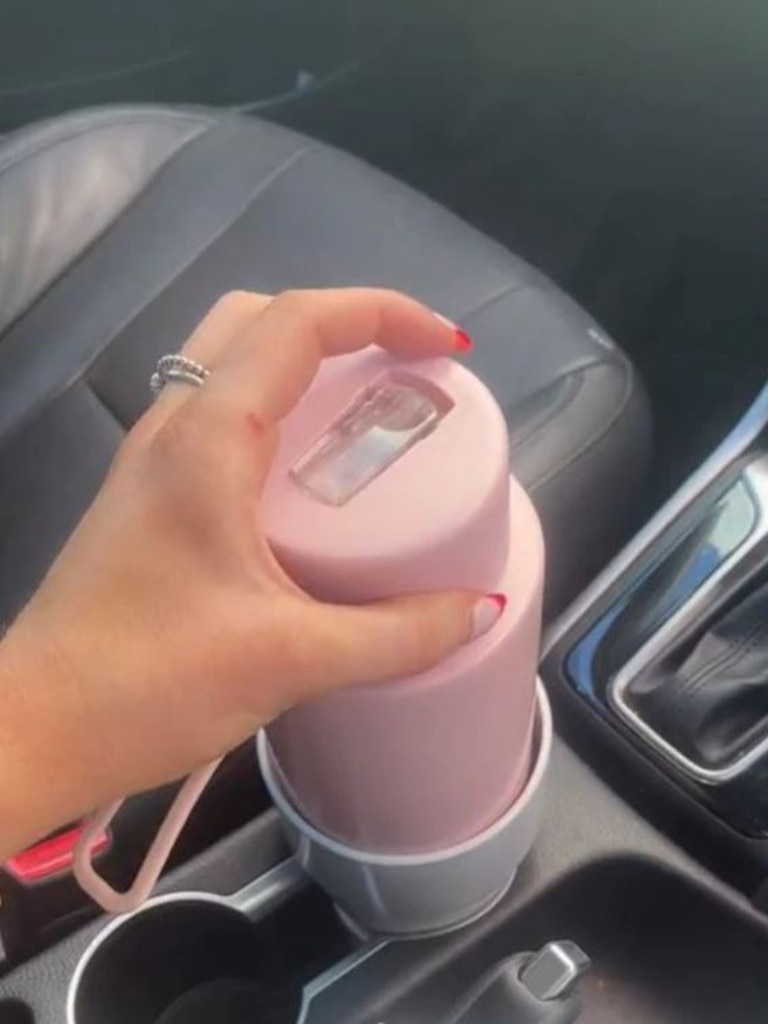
[393, 478]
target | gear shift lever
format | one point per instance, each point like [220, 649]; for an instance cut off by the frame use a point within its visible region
[711, 703]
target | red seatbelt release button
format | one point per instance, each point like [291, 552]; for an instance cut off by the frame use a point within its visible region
[51, 857]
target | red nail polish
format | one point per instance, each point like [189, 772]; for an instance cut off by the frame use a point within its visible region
[463, 341]
[487, 613]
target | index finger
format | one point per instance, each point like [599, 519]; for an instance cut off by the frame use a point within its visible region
[276, 358]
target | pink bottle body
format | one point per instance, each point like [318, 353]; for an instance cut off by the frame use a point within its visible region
[422, 763]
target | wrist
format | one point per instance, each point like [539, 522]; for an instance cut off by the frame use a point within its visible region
[43, 781]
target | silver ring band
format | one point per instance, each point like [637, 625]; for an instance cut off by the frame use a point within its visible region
[177, 369]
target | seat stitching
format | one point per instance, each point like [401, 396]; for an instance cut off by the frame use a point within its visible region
[262, 188]
[494, 297]
[560, 408]
[76, 257]
[44, 146]
[598, 435]
[105, 404]
[91, 358]
[575, 381]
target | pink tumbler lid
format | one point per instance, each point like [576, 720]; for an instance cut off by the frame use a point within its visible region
[390, 477]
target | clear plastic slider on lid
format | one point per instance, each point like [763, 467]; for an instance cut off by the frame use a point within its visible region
[382, 423]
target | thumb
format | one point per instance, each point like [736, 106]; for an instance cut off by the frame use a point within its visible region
[388, 639]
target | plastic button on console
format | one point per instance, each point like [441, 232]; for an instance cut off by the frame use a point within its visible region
[554, 971]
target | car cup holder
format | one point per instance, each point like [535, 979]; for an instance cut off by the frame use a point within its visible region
[420, 895]
[14, 1012]
[277, 953]
[199, 958]
[202, 959]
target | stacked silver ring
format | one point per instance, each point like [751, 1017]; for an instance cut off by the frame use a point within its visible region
[177, 369]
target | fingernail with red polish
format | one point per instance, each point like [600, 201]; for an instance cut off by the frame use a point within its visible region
[463, 342]
[487, 613]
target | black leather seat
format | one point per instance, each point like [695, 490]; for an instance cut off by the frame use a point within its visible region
[119, 227]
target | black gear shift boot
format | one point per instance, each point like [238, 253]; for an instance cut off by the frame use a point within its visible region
[709, 698]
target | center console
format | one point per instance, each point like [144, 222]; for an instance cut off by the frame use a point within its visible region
[641, 897]
[665, 658]
[241, 935]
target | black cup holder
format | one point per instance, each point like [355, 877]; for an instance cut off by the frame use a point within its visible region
[14, 1012]
[201, 962]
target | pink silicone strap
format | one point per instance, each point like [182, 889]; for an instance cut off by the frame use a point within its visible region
[98, 889]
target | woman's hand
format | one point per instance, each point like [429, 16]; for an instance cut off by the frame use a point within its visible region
[166, 632]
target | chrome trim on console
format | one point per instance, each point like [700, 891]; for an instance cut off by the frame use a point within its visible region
[736, 444]
[270, 889]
